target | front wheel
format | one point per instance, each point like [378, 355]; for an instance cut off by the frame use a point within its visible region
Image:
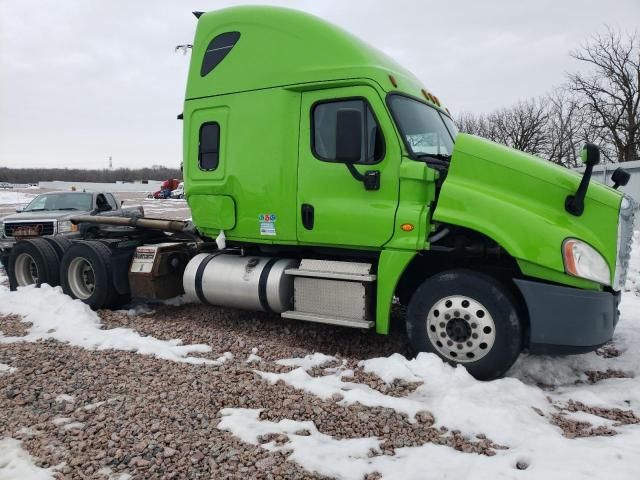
[466, 318]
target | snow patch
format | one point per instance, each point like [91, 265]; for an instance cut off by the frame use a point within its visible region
[253, 356]
[63, 397]
[15, 198]
[310, 361]
[59, 421]
[554, 458]
[73, 426]
[6, 369]
[107, 472]
[59, 317]
[16, 463]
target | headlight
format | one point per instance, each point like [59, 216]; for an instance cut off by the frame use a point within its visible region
[584, 261]
[66, 226]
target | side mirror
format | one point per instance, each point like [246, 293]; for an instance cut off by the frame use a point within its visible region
[349, 146]
[620, 178]
[19, 210]
[348, 135]
[121, 202]
[590, 155]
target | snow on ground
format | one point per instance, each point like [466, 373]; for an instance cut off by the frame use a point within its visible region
[310, 361]
[55, 315]
[63, 397]
[520, 411]
[6, 369]
[10, 198]
[16, 464]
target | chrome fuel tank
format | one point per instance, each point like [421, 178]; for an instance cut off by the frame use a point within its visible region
[249, 282]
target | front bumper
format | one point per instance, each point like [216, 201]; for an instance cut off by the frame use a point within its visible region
[565, 320]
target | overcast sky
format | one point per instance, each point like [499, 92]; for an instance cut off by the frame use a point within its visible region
[84, 79]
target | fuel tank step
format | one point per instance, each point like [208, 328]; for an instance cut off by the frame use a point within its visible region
[318, 318]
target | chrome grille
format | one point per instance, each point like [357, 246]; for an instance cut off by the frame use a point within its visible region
[628, 208]
[44, 227]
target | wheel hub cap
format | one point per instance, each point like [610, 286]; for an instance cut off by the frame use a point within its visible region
[461, 328]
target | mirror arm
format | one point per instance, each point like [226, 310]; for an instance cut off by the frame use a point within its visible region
[575, 203]
[370, 179]
[354, 173]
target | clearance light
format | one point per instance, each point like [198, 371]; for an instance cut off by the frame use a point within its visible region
[393, 81]
[583, 261]
[407, 227]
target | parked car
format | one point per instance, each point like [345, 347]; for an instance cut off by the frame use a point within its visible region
[166, 188]
[5, 185]
[49, 214]
[178, 192]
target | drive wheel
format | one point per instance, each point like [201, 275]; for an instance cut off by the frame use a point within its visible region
[33, 262]
[59, 244]
[86, 274]
[466, 318]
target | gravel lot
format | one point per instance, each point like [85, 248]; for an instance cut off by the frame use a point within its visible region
[113, 414]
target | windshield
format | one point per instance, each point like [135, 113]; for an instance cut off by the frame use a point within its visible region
[426, 131]
[61, 201]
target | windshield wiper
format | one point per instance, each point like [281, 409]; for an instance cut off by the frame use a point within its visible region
[67, 208]
[36, 210]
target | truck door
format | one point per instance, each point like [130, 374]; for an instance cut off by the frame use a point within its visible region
[346, 203]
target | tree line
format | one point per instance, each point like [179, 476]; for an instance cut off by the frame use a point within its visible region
[35, 175]
[600, 105]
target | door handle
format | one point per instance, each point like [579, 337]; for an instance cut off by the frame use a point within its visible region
[307, 216]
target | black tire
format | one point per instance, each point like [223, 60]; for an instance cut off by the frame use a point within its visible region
[484, 334]
[45, 265]
[59, 244]
[101, 292]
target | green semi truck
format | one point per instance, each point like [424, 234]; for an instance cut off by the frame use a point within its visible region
[326, 183]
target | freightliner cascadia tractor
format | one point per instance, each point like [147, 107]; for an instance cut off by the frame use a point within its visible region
[326, 183]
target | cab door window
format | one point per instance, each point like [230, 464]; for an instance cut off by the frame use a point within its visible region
[324, 122]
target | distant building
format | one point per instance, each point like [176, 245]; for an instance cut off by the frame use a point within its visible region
[602, 173]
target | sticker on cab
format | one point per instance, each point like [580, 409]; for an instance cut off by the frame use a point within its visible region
[267, 223]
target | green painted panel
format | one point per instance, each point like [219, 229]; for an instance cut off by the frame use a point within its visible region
[518, 200]
[213, 211]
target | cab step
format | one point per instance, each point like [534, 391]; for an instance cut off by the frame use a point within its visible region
[332, 269]
[318, 318]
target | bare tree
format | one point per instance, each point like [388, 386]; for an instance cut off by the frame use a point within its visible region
[566, 128]
[611, 91]
[522, 126]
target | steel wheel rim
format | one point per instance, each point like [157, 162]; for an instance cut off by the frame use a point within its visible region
[26, 270]
[82, 278]
[461, 329]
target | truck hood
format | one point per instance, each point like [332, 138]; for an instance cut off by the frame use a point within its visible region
[518, 200]
[44, 215]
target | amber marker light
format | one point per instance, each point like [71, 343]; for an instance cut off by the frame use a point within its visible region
[569, 260]
[407, 227]
[393, 81]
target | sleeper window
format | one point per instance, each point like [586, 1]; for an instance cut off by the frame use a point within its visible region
[209, 146]
[218, 48]
[324, 131]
